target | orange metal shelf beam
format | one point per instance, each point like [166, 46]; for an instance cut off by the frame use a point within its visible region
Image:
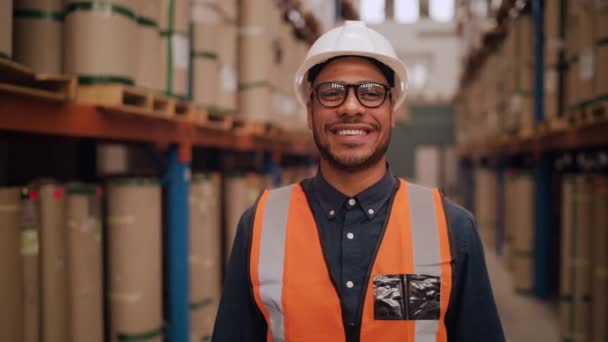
[76, 120]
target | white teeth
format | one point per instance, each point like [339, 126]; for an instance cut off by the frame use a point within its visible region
[351, 132]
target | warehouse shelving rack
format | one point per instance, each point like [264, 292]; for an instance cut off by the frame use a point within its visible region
[177, 137]
[539, 148]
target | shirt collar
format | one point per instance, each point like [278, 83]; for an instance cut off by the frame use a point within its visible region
[369, 200]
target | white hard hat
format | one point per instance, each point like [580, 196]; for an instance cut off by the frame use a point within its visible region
[353, 38]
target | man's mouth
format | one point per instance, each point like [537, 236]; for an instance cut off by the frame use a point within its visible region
[351, 132]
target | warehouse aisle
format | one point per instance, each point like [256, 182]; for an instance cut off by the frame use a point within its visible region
[524, 319]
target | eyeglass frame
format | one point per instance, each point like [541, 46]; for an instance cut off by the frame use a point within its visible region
[355, 86]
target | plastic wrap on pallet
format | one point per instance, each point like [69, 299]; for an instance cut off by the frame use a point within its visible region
[84, 240]
[53, 260]
[11, 266]
[38, 35]
[205, 253]
[149, 59]
[6, 29]
[135, 259]
[100, 41]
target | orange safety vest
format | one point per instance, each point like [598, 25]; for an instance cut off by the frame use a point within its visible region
[291, 282]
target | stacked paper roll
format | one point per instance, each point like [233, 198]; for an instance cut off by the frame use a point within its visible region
[135, 259]
[228, 75]
[11, 267]
[6, 28]
[601, 46]
[580, 260]
[30, 252]
[175, 50]
[523, 234]
[235, 196]
[566, 285]
[206, 37]
[205, 253]
[54, 263]
[599, 300]
[85, 263]
[149, 58]
[101, 41]
[255, 60]
[38, 34]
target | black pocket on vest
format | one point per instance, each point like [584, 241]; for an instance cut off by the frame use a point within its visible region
[406, 297]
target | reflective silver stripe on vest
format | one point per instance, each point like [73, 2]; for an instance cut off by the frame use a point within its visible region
[426, 246]
[272, 257]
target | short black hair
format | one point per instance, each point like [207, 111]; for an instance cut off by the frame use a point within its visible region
[388, 73]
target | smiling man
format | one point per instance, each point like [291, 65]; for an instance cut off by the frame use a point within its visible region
[354, 253]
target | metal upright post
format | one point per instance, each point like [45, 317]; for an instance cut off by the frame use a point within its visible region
[177, 246]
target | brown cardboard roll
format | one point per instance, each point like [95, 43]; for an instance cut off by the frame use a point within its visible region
[601, 67]
[30, 252]
[38, 41]
[102, 42]
[599, 300]
[254, 102]
[553, 23]
[581, 261]
[255, 13]
[205, 252]
[235, 196]
[228, 77]
[601, 21]
[149, 9]
[175, 55]
[6, 29]
[551, 87]
[255, 55]
[566, 283]
[205, 73]
[83, 209]
[230, 10]
[11, 267]
[135, 258]
[206, 12]
[54, 264]
[149, 62]
[523, 238]
[206, 37]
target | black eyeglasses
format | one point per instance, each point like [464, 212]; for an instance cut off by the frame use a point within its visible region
[333, 94]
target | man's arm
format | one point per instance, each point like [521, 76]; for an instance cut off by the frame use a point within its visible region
[239, 318]
[472, 315]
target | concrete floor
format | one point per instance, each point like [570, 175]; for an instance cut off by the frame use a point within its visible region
[524, 319]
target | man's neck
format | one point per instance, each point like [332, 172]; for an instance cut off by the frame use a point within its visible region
[352, 183]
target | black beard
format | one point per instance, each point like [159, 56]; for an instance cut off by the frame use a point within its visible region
[351, 167]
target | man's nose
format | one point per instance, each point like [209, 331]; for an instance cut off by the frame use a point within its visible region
[351, 105]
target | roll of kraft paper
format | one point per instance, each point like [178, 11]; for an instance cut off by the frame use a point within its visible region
[135, 260]
[53, 258]
[38, 34]
[228, 79]
[11, 266]
[599, 300]
[205, 253]
[523, 242]
[235, 202]
[6, 28]
[205, 65]
[566, 286]
[581, 260]
[30, 248]
[85, 263]
[101, 44]
[175, 62]
[149, 58]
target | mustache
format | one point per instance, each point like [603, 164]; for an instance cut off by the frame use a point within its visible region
[352, 120]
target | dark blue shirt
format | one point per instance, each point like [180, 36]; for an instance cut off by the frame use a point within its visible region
[349, 231]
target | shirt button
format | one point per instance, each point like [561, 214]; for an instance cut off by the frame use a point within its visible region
[350, 236]
[350, 284]
[332, 213]
[371, 211]
[351, 324]
[352, 202]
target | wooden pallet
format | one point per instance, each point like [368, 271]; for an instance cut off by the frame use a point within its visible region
[596, 112]
[130, 99]
[243, 126]
[553, 124]
[212, 119]
[17, 79]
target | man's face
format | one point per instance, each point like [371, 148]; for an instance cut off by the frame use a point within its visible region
[351, 137]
